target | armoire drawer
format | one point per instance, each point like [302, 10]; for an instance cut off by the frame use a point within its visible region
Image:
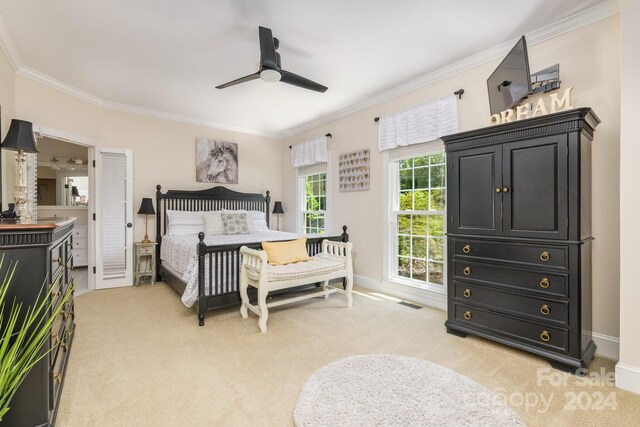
[517, 305]
[553, 284]
[58, 366]
[545, 336]
[539, 255]
[61, 332]
[57, 257]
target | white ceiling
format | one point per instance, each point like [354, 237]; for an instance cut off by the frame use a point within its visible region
[166, 56]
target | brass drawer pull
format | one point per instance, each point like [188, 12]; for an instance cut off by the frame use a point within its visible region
[59, 260]
[64, 346]
[544, 256]
[505, 190]
[467, 315]
[544, 336]
[55, 338]
[467, 293]
[545, 310]
[498, 190]
[467, 271]
[69, 266]
[466, 249]
[544, 283]
[57, 378]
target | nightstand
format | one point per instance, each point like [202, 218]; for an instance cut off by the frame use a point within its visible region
[144, 262]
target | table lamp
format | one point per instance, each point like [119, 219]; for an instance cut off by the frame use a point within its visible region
[146, 208]
[20, 138]
[277, 209]
[74, 193]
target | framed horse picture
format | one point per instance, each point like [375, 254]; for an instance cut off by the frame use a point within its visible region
[216, 161]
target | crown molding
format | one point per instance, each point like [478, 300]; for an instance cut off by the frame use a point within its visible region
[187, 120]
[565, 25]
[8, 46]
[598, 12]
[39, 77]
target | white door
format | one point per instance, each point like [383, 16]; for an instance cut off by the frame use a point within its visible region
[114, 218]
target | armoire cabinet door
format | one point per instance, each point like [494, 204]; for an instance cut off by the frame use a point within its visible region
[535, 195]
[473, 203]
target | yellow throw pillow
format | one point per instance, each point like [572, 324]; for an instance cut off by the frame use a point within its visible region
[281, 253]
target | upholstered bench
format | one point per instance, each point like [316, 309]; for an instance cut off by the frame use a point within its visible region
[333, 262]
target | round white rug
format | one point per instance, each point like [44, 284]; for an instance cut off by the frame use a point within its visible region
[390, 390]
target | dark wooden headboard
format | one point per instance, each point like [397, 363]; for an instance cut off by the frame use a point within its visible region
[211, 199]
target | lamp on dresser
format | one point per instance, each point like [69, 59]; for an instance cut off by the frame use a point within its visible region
[20, 138]
[277, 209]
[146, 208]
[74, 195]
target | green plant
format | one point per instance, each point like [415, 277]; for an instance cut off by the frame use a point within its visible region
[23, 336]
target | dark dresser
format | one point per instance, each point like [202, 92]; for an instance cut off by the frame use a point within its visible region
[519, 235]
[44, 252]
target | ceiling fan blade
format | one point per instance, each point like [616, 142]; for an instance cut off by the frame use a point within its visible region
[296, 80]
[248, 78]
[267, 49]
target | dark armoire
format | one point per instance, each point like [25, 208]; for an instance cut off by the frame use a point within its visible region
[519, 235]
[43, 251]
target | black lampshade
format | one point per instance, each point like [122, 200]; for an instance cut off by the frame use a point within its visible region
[147, 207]
[277, 208]
[74, 191]
[20, 137]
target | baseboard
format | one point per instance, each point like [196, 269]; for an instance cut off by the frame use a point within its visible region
[607, 346]
[628, 377]
[407, 293]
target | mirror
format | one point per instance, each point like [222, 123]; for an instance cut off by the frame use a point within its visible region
[62, 174]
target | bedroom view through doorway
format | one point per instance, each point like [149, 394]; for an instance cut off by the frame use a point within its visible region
[63, 189]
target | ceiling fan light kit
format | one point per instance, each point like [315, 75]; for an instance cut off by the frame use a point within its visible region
[270, 76]
[270, 67]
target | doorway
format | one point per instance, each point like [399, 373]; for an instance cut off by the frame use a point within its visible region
[66, 187]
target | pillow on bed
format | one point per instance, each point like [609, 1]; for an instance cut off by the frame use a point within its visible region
[235, 223]
[213, 225]
[181, 223]
[256, 220]
[281, 253]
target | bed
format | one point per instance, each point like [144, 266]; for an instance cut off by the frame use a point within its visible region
[205, 269]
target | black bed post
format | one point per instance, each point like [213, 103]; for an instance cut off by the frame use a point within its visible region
[344, 235]
[202, 297]
[158, 231]
[267, 200]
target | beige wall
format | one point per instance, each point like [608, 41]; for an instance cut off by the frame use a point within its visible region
[589, 61]
[7, 102]
[163, 150]
[629, 196]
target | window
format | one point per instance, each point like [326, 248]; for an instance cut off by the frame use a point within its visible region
[313, 203]
[417, 186]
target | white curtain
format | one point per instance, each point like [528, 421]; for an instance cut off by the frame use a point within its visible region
[309, 152]
[423, 123]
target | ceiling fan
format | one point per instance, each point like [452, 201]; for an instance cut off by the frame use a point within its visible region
[270, 67]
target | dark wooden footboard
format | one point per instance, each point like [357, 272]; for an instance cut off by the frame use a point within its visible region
[219, 288]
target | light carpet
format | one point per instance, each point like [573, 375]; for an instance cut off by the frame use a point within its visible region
[392, 390]
[140, 359]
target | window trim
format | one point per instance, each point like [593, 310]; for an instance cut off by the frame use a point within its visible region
[301, 174]
[391, 160]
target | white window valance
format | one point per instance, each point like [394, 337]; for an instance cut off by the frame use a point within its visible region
[423, 123]
[309, 152]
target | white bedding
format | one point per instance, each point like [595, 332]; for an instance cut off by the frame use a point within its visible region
[179, 253]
